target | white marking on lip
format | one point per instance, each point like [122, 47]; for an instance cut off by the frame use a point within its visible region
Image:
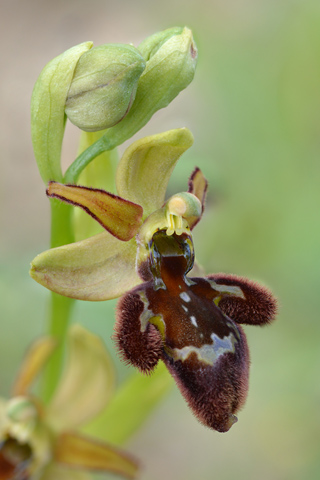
[193, 321]
[208, 353]
[185, 297]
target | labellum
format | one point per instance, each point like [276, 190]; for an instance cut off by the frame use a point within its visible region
[178, 319]
[14, 460]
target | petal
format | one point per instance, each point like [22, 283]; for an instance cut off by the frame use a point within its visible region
[118, 216]
[98, 268]
[257, 306]
[214, 392]
[198, 186]
[86, 384]
[59, 472]
[84, 452]
[139, 345]
[144, 171]
[33, 362]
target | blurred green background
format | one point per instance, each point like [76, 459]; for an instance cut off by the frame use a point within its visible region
[254, 108]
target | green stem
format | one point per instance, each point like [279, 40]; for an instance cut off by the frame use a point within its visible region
[59, 319]
[103, 144]
[60, 307]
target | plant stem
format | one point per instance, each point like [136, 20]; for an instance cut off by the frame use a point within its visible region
[104, 143]
[60, 307]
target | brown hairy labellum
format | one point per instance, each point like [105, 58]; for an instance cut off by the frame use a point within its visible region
[191, 324]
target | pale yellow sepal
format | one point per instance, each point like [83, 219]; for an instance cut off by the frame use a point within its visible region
[59, 472]
[144, 170]
[87, 382]
[98, 268]
[35, 358]
[84, 452]
[47, 110]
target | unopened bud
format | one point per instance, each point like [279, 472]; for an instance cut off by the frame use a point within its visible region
[47, 110]
[104, 86]
[171, 58]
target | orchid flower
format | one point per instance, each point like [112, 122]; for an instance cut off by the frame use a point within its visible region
[41, 442]
[190, 323]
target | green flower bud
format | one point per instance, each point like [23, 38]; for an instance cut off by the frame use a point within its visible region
[104, 86]
[171, 58]
[47, 110]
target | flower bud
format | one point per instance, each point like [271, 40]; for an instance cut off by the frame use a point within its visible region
[47, 110]
[104, 86]
[171, 58]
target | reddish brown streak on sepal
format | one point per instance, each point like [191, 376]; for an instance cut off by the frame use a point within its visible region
[259, 306]
[140, 349]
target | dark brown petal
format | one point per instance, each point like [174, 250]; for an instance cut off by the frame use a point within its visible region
[118, 216]
[259, 306]
[214, 392]
[198, 186]
[142, 349]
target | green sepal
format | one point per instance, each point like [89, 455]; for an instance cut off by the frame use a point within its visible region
[144, 170]
[98, 268]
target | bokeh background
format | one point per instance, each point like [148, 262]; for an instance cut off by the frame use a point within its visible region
[254, 109]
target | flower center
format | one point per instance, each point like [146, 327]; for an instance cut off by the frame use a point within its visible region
[183, 309]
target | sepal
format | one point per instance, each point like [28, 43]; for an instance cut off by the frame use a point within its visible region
[79, 451]
[34, 360]
[145, 168]
[88, 364]
[98, 268]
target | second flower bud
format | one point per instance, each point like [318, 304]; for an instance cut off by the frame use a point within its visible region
[104, 86]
